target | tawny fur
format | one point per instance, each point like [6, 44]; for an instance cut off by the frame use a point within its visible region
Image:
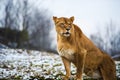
[73, 46]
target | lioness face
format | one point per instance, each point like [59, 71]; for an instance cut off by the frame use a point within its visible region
[64, 25]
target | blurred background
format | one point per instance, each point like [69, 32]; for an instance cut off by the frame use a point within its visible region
[28, 24]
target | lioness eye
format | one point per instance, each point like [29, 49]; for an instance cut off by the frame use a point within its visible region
[69, 25]
[62, 25]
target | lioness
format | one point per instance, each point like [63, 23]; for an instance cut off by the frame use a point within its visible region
[73, 46]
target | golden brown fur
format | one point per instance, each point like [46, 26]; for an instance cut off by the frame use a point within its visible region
[73, 46]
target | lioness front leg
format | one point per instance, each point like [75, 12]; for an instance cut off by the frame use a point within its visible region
[80, 67]
[67, 65]
[79, 73]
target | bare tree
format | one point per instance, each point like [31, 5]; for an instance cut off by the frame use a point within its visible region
[109, 39]
[7, 12]
[40, 26]
[26, 14]
[21, 14]
[13, 16]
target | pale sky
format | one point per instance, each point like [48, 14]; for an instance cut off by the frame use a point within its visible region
[89, 14]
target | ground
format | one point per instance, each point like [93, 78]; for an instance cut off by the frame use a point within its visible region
[21, 64]
[27, 64]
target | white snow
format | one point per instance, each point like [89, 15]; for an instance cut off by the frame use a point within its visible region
[26, 63]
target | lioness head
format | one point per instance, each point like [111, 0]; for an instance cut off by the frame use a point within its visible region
[64, 26]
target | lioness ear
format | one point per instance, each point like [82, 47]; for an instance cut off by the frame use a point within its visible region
[72, 18]
[54, 18]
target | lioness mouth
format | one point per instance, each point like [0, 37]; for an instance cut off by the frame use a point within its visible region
[66, 34]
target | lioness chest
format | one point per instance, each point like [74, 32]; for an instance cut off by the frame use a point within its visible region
[66, 51]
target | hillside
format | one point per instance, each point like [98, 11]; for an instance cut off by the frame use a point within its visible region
[26, 64]
[29, 65]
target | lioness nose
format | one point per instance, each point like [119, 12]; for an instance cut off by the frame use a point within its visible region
[68, 29]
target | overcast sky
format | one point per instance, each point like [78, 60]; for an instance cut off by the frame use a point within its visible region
[89, 14]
